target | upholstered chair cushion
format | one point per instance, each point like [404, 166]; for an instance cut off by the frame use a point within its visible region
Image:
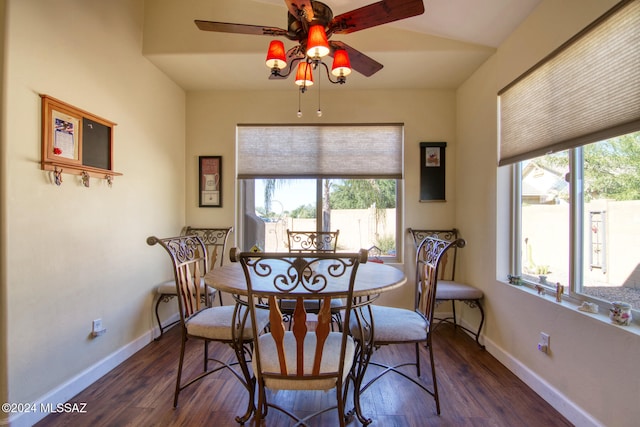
[448, 289]
[330, 360]
[215, 323]
[393, 324]
[169, 288]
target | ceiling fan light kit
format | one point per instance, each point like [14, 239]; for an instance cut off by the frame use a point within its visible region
[311, 24]
[276, 55]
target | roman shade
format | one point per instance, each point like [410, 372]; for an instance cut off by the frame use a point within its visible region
[585, 91]
[327, 151]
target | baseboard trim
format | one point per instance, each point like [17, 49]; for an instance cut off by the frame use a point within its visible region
[75, 385]
[572, 412]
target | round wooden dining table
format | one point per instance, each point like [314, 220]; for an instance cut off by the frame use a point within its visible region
[372, 279]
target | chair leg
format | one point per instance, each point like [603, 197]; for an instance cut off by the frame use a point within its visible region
[158, 318]
[179, 378]
[206, 355]
[163, 298]
[339, 398]
[481, 322]
[418, 358]
[453, 308]
[249, 383]
[433, 376]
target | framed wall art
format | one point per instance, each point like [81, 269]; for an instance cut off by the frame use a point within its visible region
[432, 171]
[210, 185]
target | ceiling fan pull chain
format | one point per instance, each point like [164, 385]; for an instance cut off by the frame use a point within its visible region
[319, 112]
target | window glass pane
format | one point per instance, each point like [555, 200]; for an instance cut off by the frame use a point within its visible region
[284, 204]
[545, 219]
[364, 210]
[612, 220]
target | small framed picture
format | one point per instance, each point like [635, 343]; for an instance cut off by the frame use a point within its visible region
[210, 174]
[61, 132]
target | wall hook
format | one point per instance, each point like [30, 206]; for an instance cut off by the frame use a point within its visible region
[57, 176]
[109, 179]
[85, 178]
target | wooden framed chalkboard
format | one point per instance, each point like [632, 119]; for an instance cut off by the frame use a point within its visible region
[75, 141]
[432, 171]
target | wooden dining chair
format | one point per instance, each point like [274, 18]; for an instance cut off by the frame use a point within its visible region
[215, 240]
[305, 357]
[450, 289]
[375, 326]
[200, 321]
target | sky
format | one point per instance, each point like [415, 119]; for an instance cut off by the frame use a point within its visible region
[289, 196]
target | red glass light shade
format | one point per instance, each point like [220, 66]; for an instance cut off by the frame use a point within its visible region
[304, 76]
[341, 64]
[317, 43]
[276, 55]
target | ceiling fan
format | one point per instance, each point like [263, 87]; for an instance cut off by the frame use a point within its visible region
[304, 15]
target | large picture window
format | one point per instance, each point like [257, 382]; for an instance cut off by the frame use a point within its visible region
[570, 126]
[321, 178]
[579, 221]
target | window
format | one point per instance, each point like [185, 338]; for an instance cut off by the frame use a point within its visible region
[571, 127]
[590, 192]
[322, 178]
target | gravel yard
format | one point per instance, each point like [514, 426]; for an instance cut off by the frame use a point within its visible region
[615, 293]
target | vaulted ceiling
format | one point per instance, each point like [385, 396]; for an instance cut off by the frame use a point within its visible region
[439, 49]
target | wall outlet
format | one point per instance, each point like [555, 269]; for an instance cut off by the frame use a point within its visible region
[97, 329]
[543, 345]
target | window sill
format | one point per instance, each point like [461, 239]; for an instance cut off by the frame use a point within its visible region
[572, 303]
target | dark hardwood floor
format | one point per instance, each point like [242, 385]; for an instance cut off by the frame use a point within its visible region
[475, 390]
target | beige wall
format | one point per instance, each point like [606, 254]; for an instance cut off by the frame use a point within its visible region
[428, 115]
[591, 373]
[74, 254]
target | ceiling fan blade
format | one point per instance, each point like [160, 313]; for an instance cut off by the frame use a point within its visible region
[375, 14]
[359, 61]
[301, 9]
[226, 27]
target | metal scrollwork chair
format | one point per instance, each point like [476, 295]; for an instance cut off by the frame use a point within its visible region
[448, 288]
[313, 242]
[223, 324]
[376, 326]
[215, 239]
[302, 358]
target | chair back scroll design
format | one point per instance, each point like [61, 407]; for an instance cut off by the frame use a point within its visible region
[430, 254]
[313, 241]
[303, 358]
[190, 264]
[215, 239]
[447, 270]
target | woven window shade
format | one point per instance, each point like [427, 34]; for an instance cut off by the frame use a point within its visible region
[331, 151]
[586, 91]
